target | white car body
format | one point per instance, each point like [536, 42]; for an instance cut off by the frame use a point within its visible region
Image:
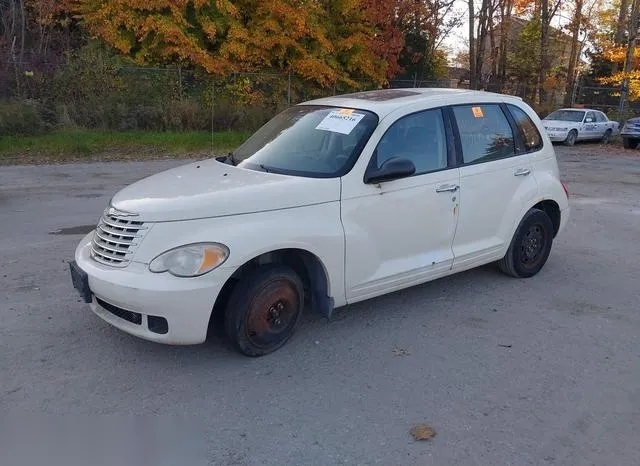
[358, 240]
[592, 125]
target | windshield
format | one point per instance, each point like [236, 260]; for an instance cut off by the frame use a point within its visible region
[566, 115]
[308, 140]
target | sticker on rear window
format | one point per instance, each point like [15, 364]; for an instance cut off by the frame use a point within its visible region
[477, 112]
[340, 121]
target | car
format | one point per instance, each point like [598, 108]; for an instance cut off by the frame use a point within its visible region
[630, 133]
[569, 125]
[331, 202]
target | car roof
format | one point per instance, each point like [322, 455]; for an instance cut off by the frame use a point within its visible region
[384, 101]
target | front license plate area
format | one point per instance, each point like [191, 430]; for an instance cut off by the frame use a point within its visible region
[80, 282]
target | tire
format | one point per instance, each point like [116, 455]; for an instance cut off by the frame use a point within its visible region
[629, 143]
[571, 138]
[264, 310]
[606, 138]
[530, 246]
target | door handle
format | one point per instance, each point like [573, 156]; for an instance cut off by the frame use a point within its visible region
[522, 172]
[443, 188]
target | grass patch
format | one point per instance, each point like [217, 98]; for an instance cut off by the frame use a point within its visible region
[74, 145]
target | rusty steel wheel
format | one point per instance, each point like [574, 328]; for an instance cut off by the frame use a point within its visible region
[264, 310]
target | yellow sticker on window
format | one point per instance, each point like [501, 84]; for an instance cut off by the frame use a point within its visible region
[477, 112]
[345, 111]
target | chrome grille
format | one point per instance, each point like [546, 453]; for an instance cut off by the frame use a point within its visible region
[115, 240]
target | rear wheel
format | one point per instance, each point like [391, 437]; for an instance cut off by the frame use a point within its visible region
[572, 137]
[630, 143]
[264, 309]
[530, 246]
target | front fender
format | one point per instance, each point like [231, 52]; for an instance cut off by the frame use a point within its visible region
[316, 229]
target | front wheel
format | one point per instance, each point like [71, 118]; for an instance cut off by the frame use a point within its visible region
[629, 143]
[530, 246]
[264, 309]
[606, 138]
[572, 137]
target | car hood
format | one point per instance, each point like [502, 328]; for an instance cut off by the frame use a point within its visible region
[558, 123]
[213, 189]
[634, 121]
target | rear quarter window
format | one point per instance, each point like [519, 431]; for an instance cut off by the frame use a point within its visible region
[530, 134]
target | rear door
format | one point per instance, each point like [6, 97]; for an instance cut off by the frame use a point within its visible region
[496, 180]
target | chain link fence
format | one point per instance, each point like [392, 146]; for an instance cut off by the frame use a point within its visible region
[100, 93]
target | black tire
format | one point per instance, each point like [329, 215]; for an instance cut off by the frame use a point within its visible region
[530, 246]
[606, 138]
[264, 310]
[571, 138]
[629, 143]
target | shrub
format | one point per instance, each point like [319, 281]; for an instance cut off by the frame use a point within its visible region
[22, 118]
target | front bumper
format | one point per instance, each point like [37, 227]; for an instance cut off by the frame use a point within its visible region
[135, 300]
[557, 136]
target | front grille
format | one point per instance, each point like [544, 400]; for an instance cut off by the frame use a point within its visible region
[130, 316]
[115, 240]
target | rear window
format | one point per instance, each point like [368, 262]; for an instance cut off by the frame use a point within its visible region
[530, 135]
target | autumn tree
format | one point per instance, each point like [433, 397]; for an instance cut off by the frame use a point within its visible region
[325, 42]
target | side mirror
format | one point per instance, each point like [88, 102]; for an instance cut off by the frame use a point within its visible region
[392, 169]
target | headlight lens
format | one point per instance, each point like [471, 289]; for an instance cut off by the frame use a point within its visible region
[190, 260]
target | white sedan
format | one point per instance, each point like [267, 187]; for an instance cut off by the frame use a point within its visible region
[331, 202]
[569, 125]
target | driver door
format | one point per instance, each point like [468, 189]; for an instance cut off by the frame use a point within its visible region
[399, 233]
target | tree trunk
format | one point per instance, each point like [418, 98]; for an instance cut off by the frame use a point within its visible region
[621, 28]
[494, 53]
[631, 46]
[481, 37]
[505, 27]
[573, 55]
[472, 49]
[544, 50]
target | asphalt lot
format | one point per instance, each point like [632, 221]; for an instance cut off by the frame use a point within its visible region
[541, 371]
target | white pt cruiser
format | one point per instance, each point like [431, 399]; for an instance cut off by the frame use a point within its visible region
[331, 202]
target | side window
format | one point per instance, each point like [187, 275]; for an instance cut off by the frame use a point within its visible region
[485, 133]
[590, 115]
[530, 135]
[600, 118]
[419, 137]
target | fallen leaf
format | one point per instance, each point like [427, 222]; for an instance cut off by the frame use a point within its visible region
[422, 432]
[400, 351]
[505, 346]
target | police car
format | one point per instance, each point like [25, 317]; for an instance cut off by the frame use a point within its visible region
[569, 125]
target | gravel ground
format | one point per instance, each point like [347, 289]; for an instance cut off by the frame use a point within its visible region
[541, 371]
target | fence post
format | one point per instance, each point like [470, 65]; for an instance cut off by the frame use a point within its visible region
[213, 94]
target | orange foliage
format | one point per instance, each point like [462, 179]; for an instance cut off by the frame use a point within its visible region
[327, 42]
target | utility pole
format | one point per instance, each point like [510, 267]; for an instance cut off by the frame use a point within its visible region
[631, 47]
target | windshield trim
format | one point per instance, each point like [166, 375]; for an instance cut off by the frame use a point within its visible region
[346, 168]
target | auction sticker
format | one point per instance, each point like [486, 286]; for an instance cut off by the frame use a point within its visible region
[340, 121]
[477, 112]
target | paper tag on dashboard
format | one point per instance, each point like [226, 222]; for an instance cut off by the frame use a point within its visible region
[340, 121]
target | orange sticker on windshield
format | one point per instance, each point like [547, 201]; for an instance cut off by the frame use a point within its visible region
[477, 112]
[345, 111]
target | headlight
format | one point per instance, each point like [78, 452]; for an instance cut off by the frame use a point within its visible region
[190, 260]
